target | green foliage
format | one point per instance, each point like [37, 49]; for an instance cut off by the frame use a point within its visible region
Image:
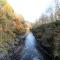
[6, 15]
[7, 28]
[5, 41]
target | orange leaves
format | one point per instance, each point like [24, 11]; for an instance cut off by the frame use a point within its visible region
[18, 22]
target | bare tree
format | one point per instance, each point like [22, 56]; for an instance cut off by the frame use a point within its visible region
[57, 9]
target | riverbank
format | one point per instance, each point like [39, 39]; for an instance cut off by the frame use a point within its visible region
[47, 36]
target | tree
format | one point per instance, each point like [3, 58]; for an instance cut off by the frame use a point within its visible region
[57, 9]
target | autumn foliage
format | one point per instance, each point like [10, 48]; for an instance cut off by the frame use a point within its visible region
[10, 25]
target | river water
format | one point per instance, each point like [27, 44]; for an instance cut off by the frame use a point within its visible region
[29, 51]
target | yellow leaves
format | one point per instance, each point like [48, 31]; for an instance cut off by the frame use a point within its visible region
[8, 9]
[1, 11]
[6, 18]
[3, 2]
[1, 14]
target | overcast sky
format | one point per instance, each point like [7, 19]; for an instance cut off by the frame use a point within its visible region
[30, 9]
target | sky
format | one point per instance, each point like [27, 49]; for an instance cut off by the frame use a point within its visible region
[31, 10]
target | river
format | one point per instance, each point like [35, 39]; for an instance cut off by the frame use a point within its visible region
[29, 51]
